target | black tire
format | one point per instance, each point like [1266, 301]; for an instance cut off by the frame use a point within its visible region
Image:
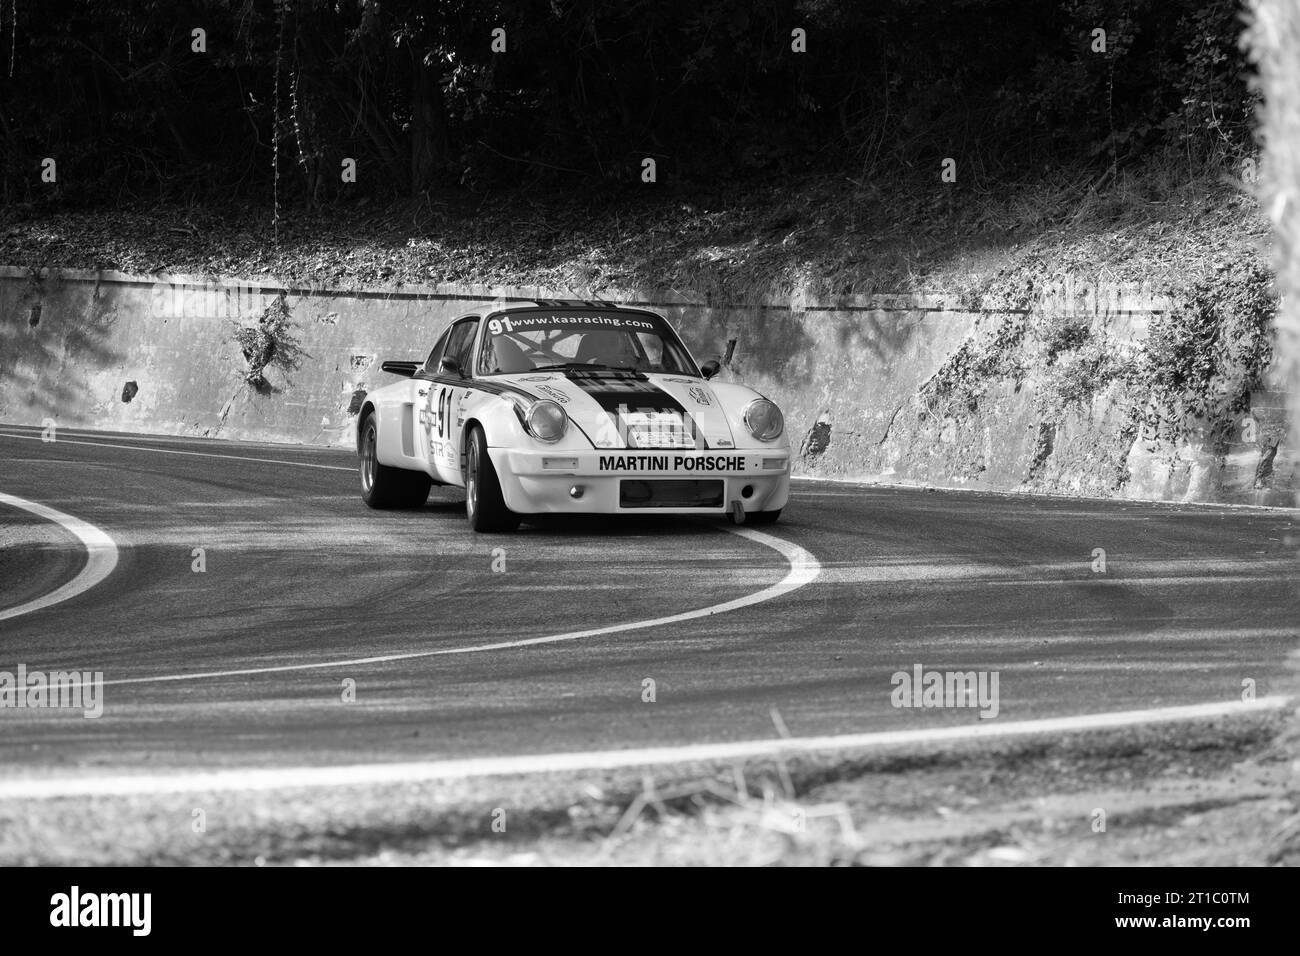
[484, 506]
[762, 517]
[383, 486]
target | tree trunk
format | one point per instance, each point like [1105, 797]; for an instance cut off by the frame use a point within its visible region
[429, 147]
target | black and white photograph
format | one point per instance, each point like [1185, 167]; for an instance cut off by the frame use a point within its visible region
[651, 433]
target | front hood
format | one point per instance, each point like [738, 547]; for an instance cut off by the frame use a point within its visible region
[647, 411]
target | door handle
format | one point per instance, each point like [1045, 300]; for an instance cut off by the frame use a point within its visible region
[422, 391]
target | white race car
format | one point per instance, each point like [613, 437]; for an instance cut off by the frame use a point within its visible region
[571, 407]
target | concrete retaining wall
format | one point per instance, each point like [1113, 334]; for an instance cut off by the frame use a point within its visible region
[158, 354]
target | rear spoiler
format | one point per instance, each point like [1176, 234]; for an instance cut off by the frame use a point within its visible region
[406, 369]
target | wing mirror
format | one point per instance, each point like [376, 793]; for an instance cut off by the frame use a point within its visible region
[449, 364]
[710, 368]
[401, 368]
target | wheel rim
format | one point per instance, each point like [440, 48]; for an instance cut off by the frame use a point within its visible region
[471, 478]
[368, 460]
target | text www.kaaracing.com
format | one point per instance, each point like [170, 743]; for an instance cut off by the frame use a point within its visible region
[1203, 923]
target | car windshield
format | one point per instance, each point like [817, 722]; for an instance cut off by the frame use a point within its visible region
[525, 341]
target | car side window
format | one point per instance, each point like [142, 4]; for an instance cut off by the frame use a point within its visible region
[455, 336]
[435, 355]
[461, 343]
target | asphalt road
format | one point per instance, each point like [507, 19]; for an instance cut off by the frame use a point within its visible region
[301, 578]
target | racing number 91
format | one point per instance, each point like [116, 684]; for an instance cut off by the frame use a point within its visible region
[444, 412]
[497, 326]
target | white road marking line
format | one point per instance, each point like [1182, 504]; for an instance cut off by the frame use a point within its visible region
[101, 556]
[476, 767]
[174, 451]
[804, 569]
[1028, 497]
[142, 438]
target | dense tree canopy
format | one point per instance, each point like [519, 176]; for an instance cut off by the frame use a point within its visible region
[414, 92]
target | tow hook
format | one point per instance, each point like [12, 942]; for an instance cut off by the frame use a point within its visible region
[737, 512]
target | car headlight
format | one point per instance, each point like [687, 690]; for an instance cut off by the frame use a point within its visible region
[546, 421]
[764, 420]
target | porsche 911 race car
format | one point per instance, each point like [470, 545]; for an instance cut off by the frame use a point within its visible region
[571, 407]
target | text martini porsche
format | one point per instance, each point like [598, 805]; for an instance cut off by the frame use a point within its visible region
[571, 407]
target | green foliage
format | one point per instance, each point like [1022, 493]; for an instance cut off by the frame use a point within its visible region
[1066, 362]
[1069, 336]
[269, 341]
[1191, 376]
[1203, 359]
[978, 363]
[586, 89]
[1077, 366]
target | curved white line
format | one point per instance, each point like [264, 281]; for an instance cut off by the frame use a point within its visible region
[474, 767]
[101, 556]
[804, 569]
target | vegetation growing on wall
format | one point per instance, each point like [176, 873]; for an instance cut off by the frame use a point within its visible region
[1202, 360]
[269, 341]
[1190, 377]
[977, 364]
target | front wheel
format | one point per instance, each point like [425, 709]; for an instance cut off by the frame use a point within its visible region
[762, 517]
[484, 505]
[385, 487]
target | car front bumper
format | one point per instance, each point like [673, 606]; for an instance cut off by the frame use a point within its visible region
[544, 482]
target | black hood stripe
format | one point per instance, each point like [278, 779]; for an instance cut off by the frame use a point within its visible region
[634, 394]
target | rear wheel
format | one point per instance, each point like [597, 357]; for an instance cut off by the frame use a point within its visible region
[385, 487]
[484, 505]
